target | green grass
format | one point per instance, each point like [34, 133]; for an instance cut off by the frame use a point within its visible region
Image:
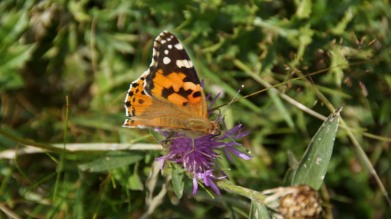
[65, 67]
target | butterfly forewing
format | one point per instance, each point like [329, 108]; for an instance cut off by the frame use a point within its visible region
[169, 94]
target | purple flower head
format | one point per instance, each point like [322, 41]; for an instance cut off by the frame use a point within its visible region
[197, 156]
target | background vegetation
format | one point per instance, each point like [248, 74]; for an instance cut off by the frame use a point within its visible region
[89, 51]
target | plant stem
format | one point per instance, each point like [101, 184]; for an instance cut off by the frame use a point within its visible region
[248, 193]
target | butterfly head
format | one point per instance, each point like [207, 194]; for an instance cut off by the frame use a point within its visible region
[214, 128]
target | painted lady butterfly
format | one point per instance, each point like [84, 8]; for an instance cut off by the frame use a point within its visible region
[169, 94]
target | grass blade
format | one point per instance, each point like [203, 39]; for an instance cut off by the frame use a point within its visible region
[111, 161]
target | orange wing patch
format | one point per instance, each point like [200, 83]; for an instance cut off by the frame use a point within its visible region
[174, 88]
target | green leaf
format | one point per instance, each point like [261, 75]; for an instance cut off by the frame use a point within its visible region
[15, 57]
[340, 28]
[177, 180]
[156, 135]
[110, 161]
[338, 59]
[313, 165]
[304, 8]
[135, 182]
[258, 210]
[14, 53]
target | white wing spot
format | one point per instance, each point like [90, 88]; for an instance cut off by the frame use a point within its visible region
[184, 63]
[163, 41]
[166, 60]
[166, 52]
[169, 46]
[179, 46]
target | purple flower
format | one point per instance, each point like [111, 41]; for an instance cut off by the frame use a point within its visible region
[197, 155]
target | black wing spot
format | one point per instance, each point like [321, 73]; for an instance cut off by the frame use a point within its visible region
[184, 93]
[131, 93]
[191, 75]
[196, 94]
[127, 104]
[140, 101]
[167, 92]
[148, 86]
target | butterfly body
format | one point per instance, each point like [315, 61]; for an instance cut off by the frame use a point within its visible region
[169, 94]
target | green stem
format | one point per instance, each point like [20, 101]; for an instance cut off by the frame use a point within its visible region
[248, 193]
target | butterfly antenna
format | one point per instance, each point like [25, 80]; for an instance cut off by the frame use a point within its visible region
[220, 117]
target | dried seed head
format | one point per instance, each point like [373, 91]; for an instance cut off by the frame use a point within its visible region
[298, 202]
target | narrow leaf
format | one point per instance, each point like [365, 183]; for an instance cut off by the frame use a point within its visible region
[258, 210]
[135, 182]
[313, 165]
[110, 161]
[177, 181]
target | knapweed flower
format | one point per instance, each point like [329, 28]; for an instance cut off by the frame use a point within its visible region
[197, 156]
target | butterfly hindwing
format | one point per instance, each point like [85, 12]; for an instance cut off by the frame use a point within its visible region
[137, 101]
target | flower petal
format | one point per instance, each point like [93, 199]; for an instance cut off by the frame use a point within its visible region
[195, 185]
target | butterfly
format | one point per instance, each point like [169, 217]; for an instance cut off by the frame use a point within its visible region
[168, 95]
